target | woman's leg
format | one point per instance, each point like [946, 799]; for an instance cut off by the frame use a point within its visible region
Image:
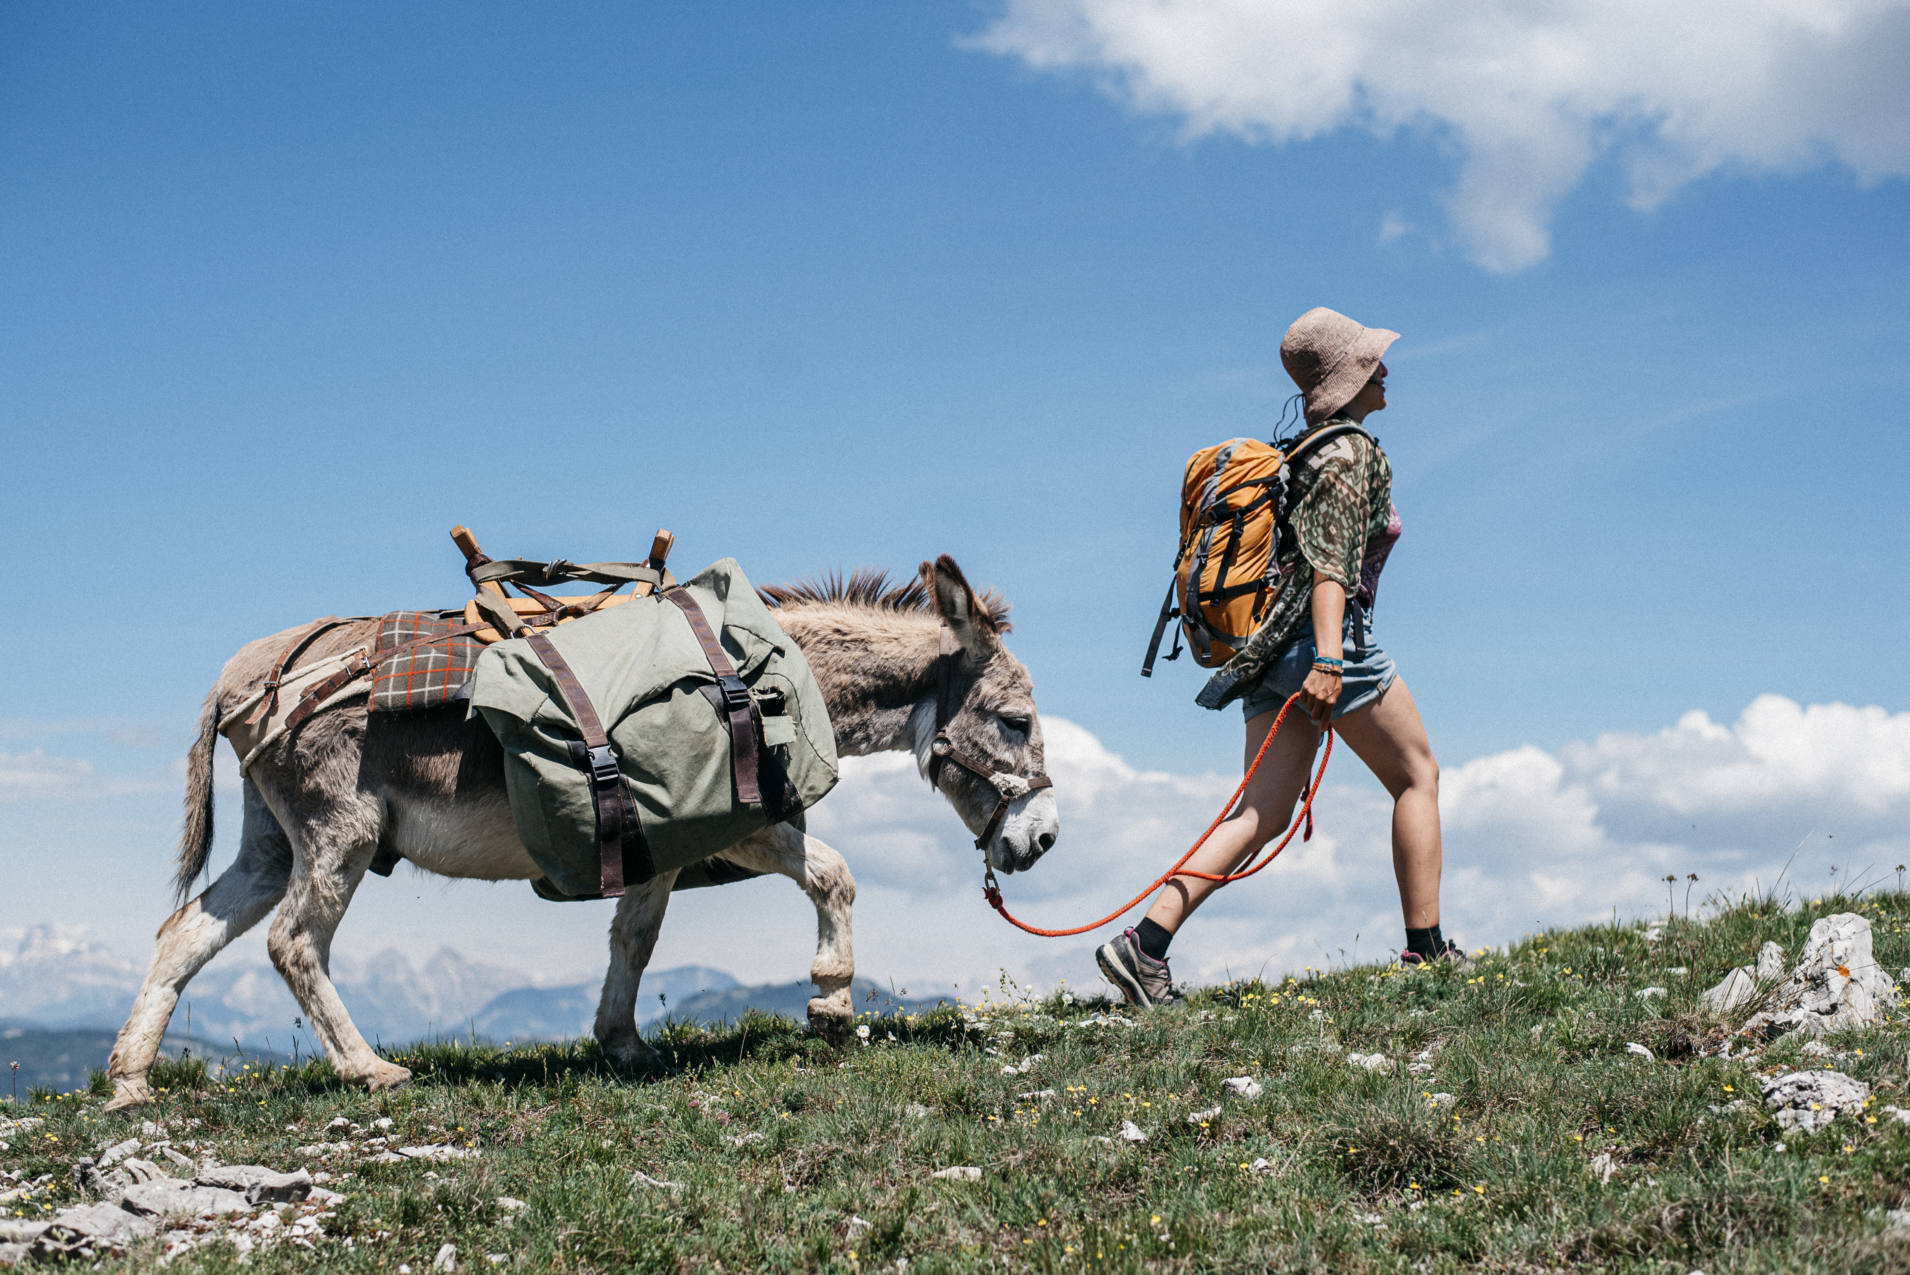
[1265, 810]
[1389, 737]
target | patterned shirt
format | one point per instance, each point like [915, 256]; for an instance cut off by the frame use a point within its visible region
[1344, 524]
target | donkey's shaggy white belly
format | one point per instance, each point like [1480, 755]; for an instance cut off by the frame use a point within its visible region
[466, 838]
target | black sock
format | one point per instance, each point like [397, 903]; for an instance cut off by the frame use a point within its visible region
[1428, 943]
[1153, 939]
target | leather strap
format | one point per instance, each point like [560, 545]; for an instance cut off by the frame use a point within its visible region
[299, 646]
[316, 695]
[518, 570]
[1007, 787]
[618, 830]
[745, 744]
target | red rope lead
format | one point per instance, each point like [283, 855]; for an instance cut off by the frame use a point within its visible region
[992, 892]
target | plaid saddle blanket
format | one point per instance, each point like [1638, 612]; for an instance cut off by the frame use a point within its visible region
[424, 676]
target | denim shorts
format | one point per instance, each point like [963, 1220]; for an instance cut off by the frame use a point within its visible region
[1365, 679]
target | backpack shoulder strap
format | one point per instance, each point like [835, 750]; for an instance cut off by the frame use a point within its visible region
[1319, 438]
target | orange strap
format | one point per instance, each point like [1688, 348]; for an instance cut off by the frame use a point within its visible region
[992, 891]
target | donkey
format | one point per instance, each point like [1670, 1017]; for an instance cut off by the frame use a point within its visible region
[920, 667]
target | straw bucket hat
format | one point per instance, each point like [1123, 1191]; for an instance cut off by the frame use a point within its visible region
[1330, 357]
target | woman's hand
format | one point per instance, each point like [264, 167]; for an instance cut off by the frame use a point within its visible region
[1318, 694]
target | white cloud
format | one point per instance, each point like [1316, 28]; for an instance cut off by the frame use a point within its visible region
[1528, 95]
[1532, 838]
[34, 774]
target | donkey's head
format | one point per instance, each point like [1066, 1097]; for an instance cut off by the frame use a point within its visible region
[976, 736]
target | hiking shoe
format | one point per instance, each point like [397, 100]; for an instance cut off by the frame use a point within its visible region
[1453, 953]
[1140, 978]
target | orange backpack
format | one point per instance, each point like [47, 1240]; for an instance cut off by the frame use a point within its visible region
[1233, 516]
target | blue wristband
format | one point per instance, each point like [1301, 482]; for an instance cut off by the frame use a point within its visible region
[1321, 661]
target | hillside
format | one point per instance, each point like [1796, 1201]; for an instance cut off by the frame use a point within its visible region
[62, 1058]
[1569, 1103]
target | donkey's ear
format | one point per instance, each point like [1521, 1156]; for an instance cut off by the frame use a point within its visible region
[955, 602]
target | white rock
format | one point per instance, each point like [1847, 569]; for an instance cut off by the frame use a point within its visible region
[857, 1225]
[1243, 1086]
[382, 1122]
[1679, 970]
[1200, 1117]
[1442, 1100]
[1770, 963]
[1131, 1132]
[1633, 1047]
[436, 1151]
[1604, 1166]
[509, 1203]
[1899, 1221]
[1837, 983]
[639, 1178]
[1817, 1049]
[1263, 1167]
[916, 1111]
[1809, 1100]
[959, 1173]
[118, 1151]
[1736, 988]
[447, 1258]
[1898, 1114]
[1370, 1062]
[1647, 993]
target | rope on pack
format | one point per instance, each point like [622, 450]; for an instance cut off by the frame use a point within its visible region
[991, 889]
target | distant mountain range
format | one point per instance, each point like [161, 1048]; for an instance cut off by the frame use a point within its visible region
[62, 1059]
[63, 995]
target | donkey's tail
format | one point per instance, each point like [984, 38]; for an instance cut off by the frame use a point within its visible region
[195, 838]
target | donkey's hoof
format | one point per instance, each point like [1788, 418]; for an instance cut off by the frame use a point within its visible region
[387, 1076]
[632, 1052]
[831, 1018]
[129, 1091]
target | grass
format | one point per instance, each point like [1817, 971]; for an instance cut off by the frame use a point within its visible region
[1364, 1170]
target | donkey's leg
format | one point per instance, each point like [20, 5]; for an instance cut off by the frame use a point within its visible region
[633, 937]
[330, 860]
[229, 907]
[824, 877]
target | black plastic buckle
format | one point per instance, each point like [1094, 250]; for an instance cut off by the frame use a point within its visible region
[603, 765]
[735, 693]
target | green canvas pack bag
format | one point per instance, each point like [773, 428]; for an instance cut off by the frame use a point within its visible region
[648, 736]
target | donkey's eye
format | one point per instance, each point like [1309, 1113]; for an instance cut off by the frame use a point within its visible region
[1019, 724]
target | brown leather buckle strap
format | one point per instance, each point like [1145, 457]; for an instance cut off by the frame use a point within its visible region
[619, 832]
[315, 696]
[299, 646]
[745, 745]
[1008, 788]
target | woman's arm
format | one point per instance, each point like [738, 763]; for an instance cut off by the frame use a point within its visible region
[1321, 690]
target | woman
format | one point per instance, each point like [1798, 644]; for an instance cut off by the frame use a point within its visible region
[1345, 525]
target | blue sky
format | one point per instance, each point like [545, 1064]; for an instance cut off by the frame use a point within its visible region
[291, 290]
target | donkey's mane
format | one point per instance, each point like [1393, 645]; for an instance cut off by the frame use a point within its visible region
[871, 587]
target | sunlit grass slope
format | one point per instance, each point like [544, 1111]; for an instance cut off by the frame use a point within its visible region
[778, 1152]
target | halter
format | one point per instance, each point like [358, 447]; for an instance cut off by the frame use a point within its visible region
[1008, 788]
